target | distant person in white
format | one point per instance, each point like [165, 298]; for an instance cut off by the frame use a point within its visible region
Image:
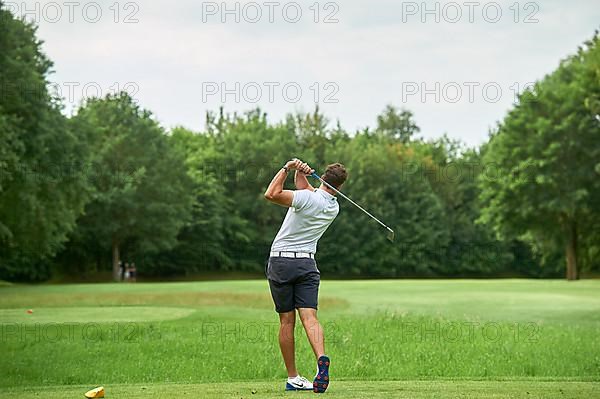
[292, 271]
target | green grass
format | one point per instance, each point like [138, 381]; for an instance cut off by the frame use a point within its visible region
[344, 389]
[123, 314]
[433, 338]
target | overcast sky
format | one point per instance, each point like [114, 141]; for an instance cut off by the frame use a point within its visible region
[456, 65]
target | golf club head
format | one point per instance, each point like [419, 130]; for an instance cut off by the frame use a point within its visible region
[390, 235]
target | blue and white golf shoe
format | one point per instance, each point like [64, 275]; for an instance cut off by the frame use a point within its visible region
[298, 383]
[321, 381]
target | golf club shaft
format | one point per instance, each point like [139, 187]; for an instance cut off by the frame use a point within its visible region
[352, 202]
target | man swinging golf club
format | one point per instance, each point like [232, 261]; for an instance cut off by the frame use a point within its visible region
[292, 271]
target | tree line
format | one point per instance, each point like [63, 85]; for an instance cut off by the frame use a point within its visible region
[79, 193]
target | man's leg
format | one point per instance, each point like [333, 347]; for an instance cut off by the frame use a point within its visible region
[286, 341]
[306, 300]
[314, 332]
[313, 329]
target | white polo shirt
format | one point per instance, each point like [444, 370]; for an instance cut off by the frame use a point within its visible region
[306, 220]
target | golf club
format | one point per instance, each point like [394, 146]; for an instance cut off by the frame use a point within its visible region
[390, 235]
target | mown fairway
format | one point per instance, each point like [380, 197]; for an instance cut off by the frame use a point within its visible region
[413, 339]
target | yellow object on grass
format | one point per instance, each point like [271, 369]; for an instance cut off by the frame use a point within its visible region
[95, 393]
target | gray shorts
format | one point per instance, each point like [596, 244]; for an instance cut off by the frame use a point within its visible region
[294, 283]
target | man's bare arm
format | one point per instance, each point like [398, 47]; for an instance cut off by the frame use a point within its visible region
[275, 192]
[301, 181]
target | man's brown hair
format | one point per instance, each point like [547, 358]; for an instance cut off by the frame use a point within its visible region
[335, 174]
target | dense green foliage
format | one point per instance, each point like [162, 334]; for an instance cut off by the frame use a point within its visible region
[546, 154]
[141, 191]
[79, 193]
[40, 196]
[406, 184]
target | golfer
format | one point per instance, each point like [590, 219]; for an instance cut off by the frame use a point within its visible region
[292, 271]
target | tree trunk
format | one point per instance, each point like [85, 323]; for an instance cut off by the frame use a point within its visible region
[115, 260]
[572, 253]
